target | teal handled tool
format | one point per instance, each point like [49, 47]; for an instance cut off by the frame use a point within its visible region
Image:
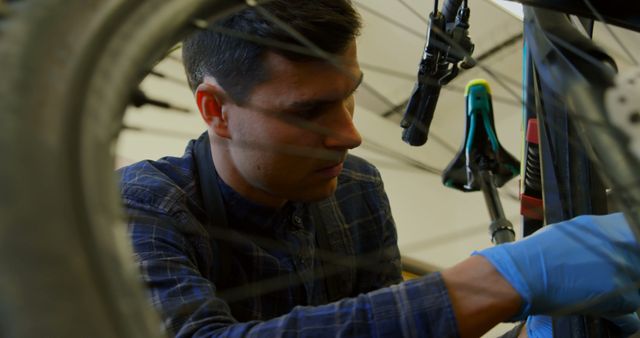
[482, 163]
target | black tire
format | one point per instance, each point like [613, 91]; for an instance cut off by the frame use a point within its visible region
[68, 68]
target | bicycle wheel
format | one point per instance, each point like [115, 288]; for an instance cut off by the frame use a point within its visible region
[570, 67]
[68, 70]
[581, 150]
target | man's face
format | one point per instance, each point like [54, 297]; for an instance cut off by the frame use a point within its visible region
[290, 139]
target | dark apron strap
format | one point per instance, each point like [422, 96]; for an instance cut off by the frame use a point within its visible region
[214, 207]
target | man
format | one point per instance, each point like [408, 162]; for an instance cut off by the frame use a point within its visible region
[266, 227]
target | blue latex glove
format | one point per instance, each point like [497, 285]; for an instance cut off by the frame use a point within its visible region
[588, 265]
[539, 327]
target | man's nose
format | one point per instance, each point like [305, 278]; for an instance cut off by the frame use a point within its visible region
[343, 133]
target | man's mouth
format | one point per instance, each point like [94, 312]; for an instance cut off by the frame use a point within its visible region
[331, 171]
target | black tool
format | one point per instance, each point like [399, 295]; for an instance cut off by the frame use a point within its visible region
[447, 46]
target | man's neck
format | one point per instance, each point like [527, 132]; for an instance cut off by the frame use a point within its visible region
[230, 175]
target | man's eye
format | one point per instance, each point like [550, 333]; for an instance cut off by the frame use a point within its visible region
[308, 114]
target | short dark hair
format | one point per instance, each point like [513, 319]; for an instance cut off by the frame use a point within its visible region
[238, 64]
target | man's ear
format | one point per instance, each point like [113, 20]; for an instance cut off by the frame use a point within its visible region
[208, 99]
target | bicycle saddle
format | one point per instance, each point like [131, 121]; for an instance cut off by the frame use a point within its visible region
[480, 149]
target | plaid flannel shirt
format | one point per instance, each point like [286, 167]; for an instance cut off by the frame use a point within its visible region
[273, 260]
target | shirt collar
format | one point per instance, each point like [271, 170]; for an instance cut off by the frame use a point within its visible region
[246, 215]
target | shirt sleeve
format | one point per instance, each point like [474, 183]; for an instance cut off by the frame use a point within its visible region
[189, 306]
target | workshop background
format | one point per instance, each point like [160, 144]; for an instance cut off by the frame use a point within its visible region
[437, 226]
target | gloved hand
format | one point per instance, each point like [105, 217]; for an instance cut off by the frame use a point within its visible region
[539, 327]
[587, 265]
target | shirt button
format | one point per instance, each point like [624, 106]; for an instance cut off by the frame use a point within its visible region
[297, 220]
